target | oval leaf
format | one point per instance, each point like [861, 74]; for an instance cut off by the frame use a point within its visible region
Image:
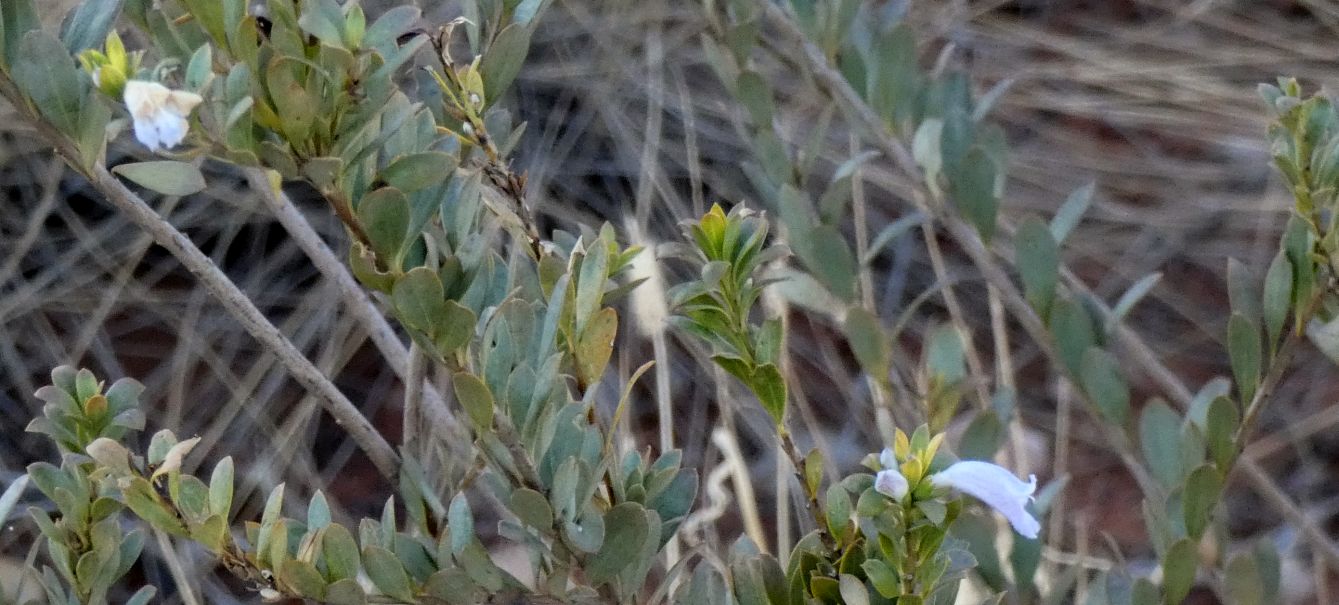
[164, 176]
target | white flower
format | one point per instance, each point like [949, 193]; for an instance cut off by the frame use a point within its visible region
[159, 113]
[997, 487]
[891, 483]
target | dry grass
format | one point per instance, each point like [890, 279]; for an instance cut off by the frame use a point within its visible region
[1154, 100]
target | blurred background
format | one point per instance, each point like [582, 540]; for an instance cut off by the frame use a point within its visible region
[1154, 101]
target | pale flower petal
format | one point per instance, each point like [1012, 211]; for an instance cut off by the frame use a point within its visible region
[997, 487]
[891, 483]
[159, 113]
[172, 461]
[887, 459]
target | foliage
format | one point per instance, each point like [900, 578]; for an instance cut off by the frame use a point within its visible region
[416, 166]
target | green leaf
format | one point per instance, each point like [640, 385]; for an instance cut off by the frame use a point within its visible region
[167, 177]
[1199, 498]
[17, 18]
[595, 345]
[453, 586]
[303, 578]
[1243, 297]
[853, 591]
[890, 233]
[87, 26]
[1244, 585]
[10, 497]
[869, 342]
[1131, 297]
[220, 488]
[1220, 431]
[417, 171]
[756, 97]
[1072, 211]
[813, 470]
[1277, 297]
[324, 20]
[387, 573]
[983, 437]
[590, 283]
[883, 577]
[210, 15]
[1178, 570]
[269, 518]
[837, 508]
[345, 592]
[340, 553]
[926, 150]
[1160, 441]
[828, 257]
[477, 400]
[392, 24]
[323, 172]
[975, 192]
[141, 499]
[1102, 380]
[318, 512]
[944, 356]
[626, 534]
[384, 214]
[1074, 332]
[532, 508]
[770, 387]
[1243, 348]
[461, 521]
[295, 106]
[453, 328]
[419, 298]
[1038, 260]
[502, 61]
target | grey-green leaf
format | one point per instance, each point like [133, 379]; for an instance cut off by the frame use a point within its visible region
[869, 342]
[1277, 296]
[503, 59]
[974, 191]
[461, 521]
[1178, 570]
[1069, 214]
[1159, 438]
[477, 400]
[387, 573]
[1199, 498]
[1243, 348]
[1038, 260]
[167, 177]
[1102, 380]
[87, 25]
[410, 173]
[625, 535]
[220, 488]
[340, 552]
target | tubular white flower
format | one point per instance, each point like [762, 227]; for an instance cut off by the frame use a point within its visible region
[891, 483]
[997, 487]
[159, 113]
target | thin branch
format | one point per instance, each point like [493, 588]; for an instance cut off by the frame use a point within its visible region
[356, 300]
